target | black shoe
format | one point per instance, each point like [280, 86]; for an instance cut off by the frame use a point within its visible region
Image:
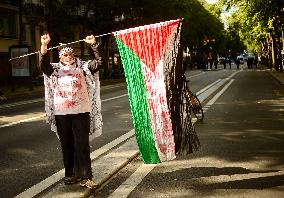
[71, 180]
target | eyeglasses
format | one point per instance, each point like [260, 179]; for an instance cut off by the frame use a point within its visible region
[68, 54]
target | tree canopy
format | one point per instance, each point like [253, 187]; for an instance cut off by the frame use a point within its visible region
[253, 19]
[246, 28]
[102, 16]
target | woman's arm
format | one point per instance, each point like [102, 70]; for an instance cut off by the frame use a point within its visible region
[96, 64]
[45, 65]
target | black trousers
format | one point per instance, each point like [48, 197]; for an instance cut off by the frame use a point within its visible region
[73, 131]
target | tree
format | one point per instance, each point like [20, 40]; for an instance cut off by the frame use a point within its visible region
[104, 16]
[257, 20]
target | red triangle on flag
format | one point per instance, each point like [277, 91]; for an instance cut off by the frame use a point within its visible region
[149, 42]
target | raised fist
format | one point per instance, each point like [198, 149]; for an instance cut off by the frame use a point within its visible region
[90, 39]
[45, 39]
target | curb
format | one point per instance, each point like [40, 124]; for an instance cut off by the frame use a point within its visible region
[104, 168]
[88, 192]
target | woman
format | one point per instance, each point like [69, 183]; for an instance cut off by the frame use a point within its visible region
[73, 107]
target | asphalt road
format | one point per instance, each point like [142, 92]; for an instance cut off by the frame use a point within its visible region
[241, 138]
[241, 155]
[30, 152]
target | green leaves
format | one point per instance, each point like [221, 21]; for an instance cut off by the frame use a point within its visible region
[254, 18]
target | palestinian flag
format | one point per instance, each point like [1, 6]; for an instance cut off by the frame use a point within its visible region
[147, 52]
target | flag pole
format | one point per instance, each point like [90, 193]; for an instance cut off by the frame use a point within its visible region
[62, 44]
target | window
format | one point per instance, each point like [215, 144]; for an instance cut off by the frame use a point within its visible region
[8, 26]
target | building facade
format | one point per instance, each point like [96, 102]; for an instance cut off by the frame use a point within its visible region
[20, 24]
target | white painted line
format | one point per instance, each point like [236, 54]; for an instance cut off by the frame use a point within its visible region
[112, 144]
[22, 121]
[207, 87]
[103, 88]
[215, 82]
[199, 94]
[233, 74]
[36, 189]
[127, 187]
[43, 115]
[112, 86]
[208, 90]
[196, 75]
[41, 186]
[21, 103]
[136, 178]
[114, 97]
[42, 99]
[202, 94]
[213, 100]
[211, 90]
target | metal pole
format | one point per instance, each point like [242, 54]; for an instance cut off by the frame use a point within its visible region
[63, 44]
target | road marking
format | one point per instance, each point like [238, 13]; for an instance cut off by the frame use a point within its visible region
[43, 185]
[196, 75]
[124, 190]
[211, 88]
[207, 87]
[43, 115]
[110, 145]
[201, 95]
[233, 74]
[108, 99]
[112, 86]
[21, 103]
[103, 88]
[136, 178]
[213, 100]
[128, 186]
[42, 99]
[22, 121]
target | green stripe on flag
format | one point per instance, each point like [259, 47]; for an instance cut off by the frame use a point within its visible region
[138, 103]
